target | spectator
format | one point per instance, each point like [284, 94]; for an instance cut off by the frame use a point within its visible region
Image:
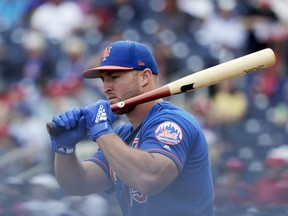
[90, 205]
[58, 19]
[267, 190]
[7, 143]
[37, 68]
[24, 102]
[226, 44]
[199, 105]
[72, 62]
[197, 8]
[258, 19]
[174, 18]
[44, 201]
[12, 197]
[281, 153]
[11, 13]
[231, 190]
[228, 104]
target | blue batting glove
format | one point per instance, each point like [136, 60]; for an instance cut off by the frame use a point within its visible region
[73, 130]
[99, 118]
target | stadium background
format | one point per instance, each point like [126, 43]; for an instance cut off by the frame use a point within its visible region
[45, 47]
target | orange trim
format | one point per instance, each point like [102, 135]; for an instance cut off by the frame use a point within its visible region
[104, 165]
[94, 72]
[160, 150]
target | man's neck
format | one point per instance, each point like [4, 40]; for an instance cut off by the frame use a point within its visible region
[139, 113]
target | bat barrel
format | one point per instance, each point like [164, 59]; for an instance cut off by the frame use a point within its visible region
[231, 69]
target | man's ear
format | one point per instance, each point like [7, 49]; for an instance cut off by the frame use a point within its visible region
[146, 76]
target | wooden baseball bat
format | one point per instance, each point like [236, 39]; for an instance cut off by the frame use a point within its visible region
[204, 78]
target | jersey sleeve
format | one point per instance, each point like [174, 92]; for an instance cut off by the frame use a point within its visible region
[169, 136]
[100, 159]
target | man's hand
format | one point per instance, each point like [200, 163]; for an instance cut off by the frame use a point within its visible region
[99, 118]
[73, 130]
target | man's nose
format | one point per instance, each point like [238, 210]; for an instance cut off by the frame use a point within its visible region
[106, 87]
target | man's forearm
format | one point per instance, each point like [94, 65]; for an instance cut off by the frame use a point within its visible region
[140, 170]
[70, 174]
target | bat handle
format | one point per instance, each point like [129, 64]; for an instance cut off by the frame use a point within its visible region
[53, 128]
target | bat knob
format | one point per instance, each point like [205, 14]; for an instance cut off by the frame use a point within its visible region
[50, 128]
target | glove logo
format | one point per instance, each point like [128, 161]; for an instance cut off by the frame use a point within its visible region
[101, 114]
[63, 150]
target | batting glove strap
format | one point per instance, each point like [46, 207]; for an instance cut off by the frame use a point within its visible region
[100, 129]
[61, 149]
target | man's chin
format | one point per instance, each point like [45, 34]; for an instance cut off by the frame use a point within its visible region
[124, 110]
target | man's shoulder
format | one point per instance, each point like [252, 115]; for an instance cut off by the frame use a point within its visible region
[166, 106]
[168, 110]
[165, 112]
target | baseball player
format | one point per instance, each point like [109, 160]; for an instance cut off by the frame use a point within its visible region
[157, 164]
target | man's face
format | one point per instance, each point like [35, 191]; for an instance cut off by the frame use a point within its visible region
[121, 85]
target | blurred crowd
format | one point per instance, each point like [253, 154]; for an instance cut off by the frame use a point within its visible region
[45, 45]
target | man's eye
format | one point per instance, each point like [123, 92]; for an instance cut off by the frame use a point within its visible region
[114, 77]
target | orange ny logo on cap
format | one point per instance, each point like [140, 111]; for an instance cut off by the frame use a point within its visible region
[106, 53]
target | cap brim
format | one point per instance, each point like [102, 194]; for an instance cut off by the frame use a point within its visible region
[95, 72]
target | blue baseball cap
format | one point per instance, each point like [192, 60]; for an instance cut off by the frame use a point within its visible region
[124, 56]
